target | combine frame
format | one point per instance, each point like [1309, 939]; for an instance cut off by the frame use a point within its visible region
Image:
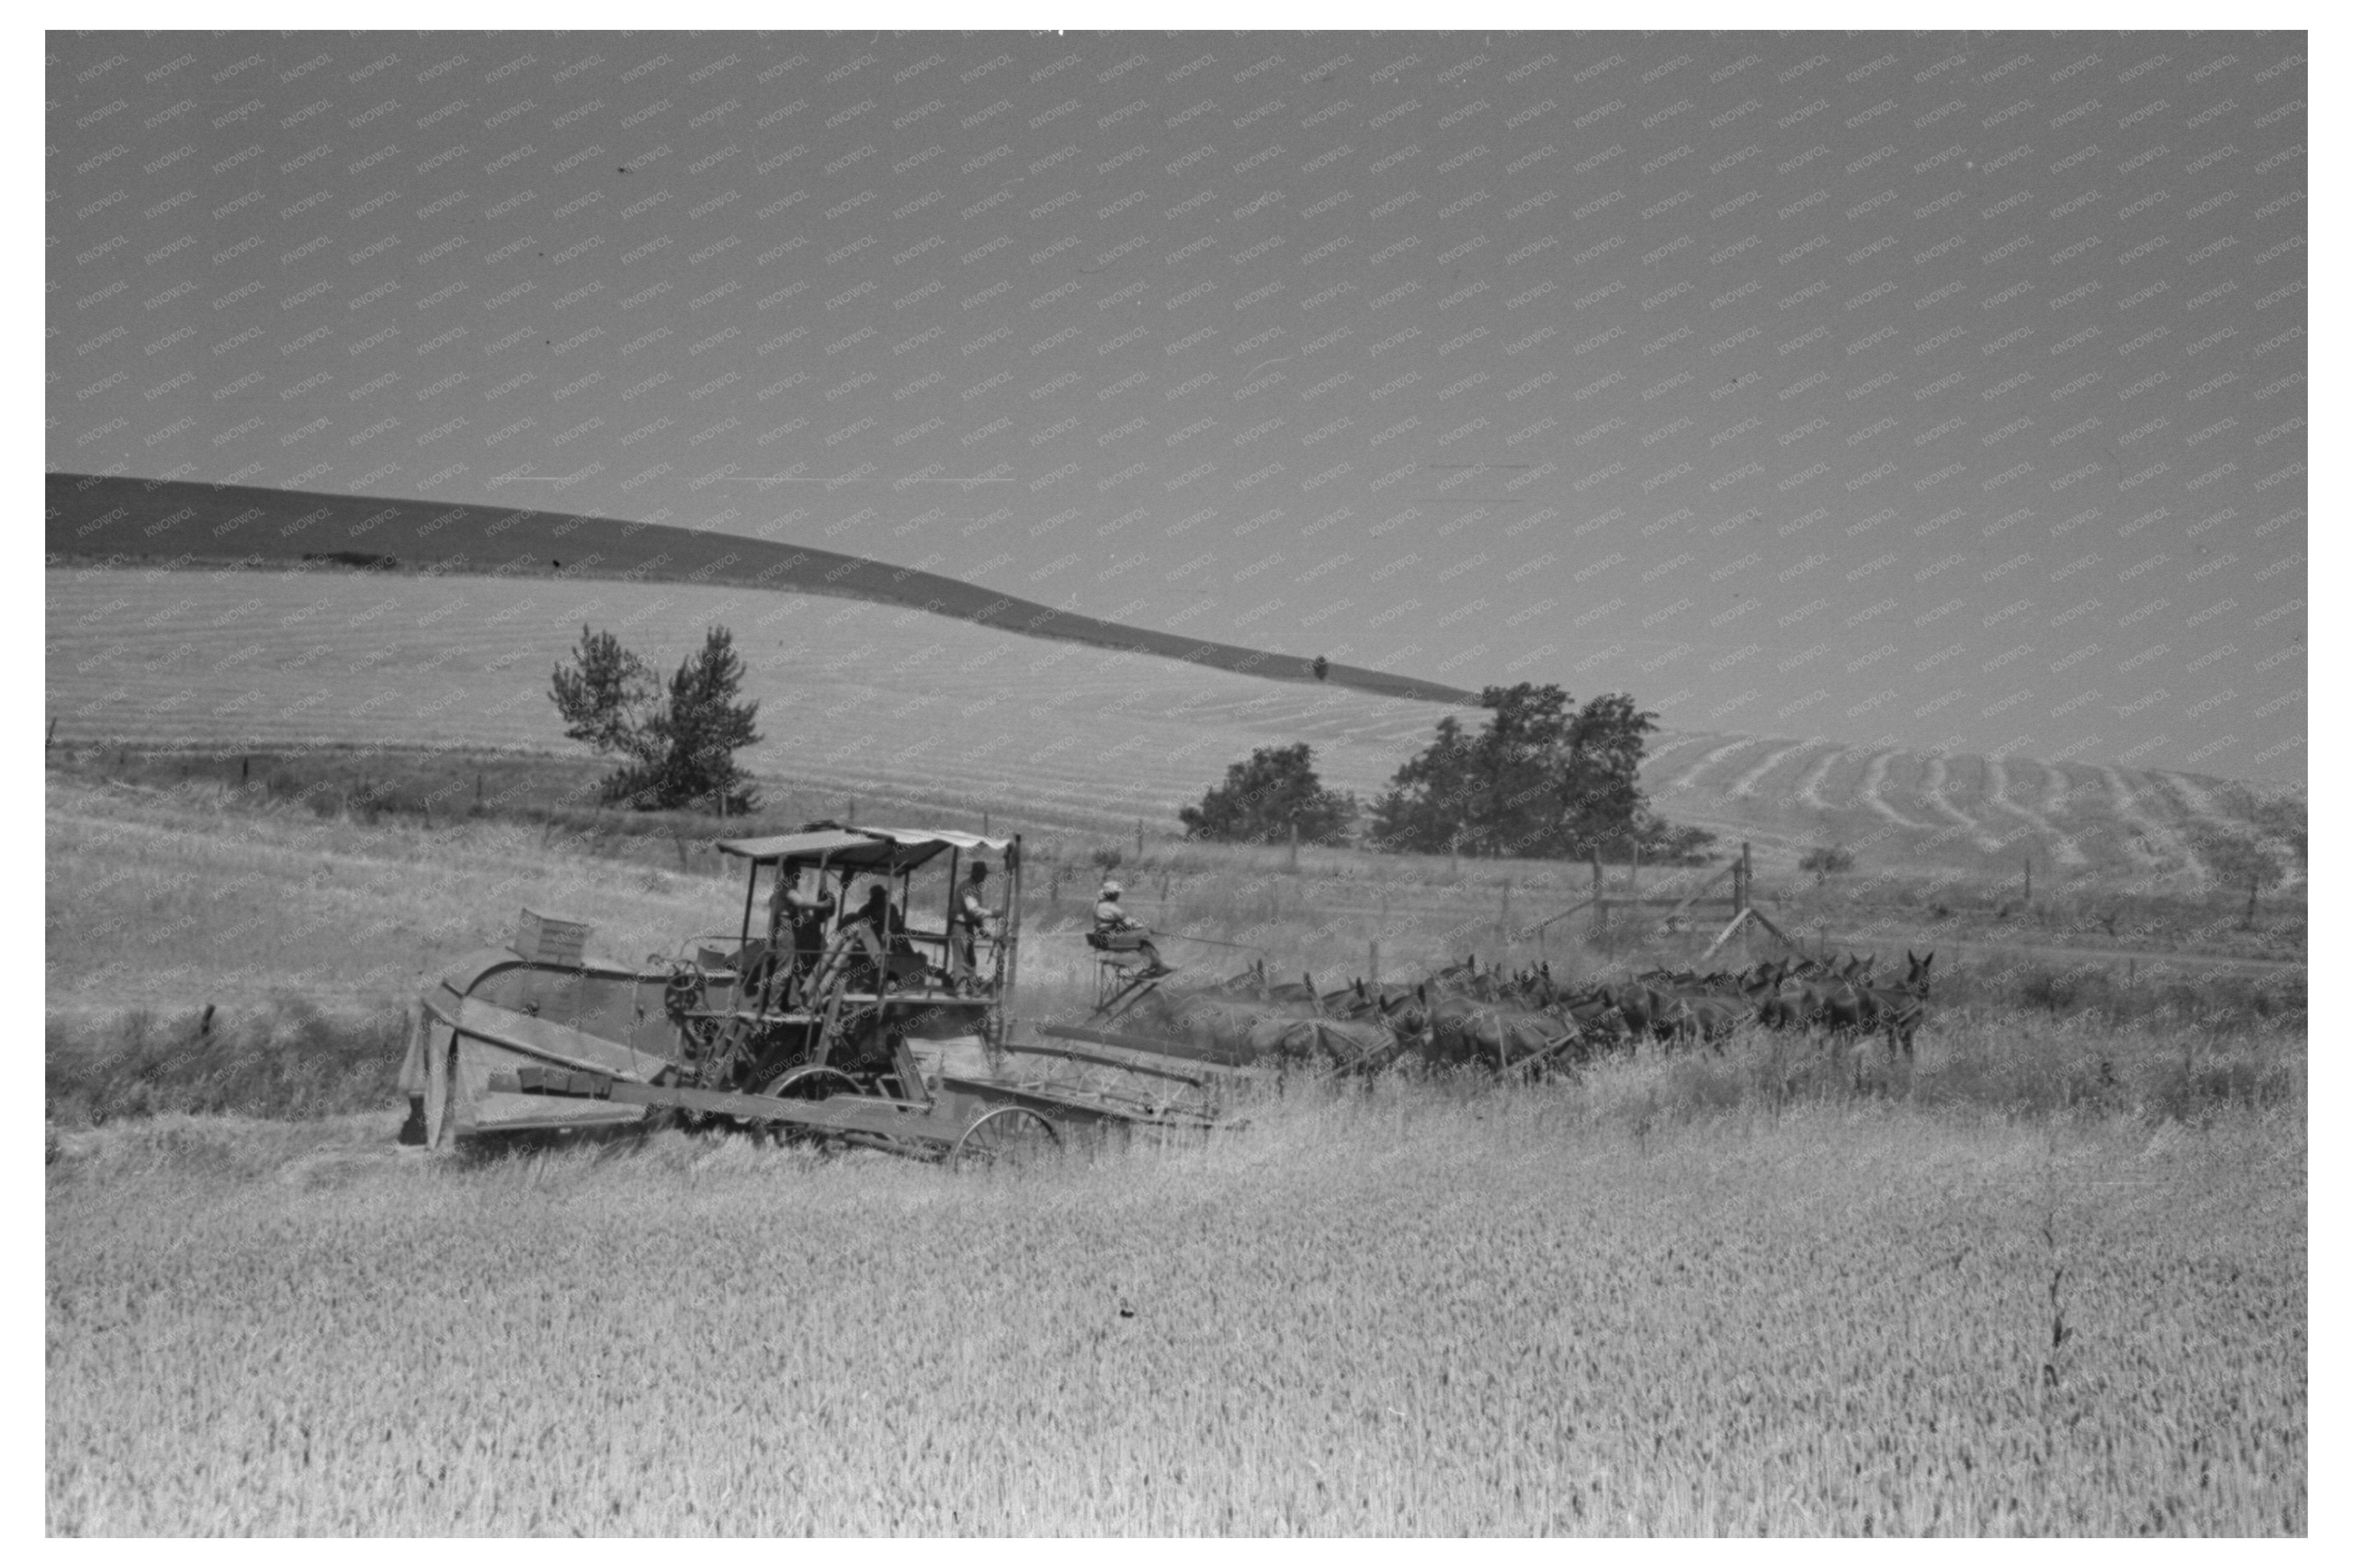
[811, 1040]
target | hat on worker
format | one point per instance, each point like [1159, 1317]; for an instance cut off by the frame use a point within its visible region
[1110, 890]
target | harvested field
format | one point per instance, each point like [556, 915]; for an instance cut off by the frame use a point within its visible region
[1580, 1310]
[856, 695]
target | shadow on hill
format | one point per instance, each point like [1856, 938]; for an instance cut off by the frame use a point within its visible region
[121, 520]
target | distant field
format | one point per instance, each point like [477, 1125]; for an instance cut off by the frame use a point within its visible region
[860, 698]
[852, 694]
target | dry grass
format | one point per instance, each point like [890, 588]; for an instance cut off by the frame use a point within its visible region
[1410, 1310]
[170, 899]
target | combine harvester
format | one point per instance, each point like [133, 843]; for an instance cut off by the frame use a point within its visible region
[811, 1038]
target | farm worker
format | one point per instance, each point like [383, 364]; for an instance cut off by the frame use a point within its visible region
[1112, 921]
[881, 917]
[971, 918]
[808, 917]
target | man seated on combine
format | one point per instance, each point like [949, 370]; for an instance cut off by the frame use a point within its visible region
[971, 919]
[881, 918]
[1116, 931]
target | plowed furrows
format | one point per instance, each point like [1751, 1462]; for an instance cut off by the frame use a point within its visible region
[2147, 841]
[1874, 780]
[2060, 848]
[1933, 784]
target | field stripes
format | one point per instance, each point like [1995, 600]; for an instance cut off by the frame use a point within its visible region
[2210, 814]
[2149, 840]
[1688, 778]
[1745, 784]
[2062, 848]
[1810, 786]
[1870, 792]
[1933, 783]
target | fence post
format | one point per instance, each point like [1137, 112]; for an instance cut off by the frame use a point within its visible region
[2030, 879]
[1139, 843]
[1504, 918]
[1295, 842]
[1375, 961]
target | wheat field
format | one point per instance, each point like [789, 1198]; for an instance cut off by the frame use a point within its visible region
[1398, 1312]
[1687, 1295]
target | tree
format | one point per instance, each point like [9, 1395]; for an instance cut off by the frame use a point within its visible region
[677, 746]
[2236, 859]
[1264, 798]
[607, 694]
[1827, 861]
[1538, 780]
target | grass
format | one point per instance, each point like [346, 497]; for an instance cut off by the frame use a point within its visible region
[1406, 1310]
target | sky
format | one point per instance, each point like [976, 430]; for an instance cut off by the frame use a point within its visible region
[1931, 390]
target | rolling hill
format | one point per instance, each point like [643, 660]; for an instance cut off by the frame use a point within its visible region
[94, 516]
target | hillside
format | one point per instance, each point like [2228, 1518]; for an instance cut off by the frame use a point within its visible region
[124, 520]
[890, 704]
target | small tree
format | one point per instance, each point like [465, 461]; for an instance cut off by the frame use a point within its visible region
[678, 748]
[1264, 798]
[2237, 859]
[607, 695]
[1826, 862]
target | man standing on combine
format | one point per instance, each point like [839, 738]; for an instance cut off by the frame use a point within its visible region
[971, 919]
[1121, 933]
[808, 916]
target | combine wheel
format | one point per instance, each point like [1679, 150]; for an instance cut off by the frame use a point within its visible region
[812, 1082]
[441, 1086]
[1010, 1137]
[809, 1081]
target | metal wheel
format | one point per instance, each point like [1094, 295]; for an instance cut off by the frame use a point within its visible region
[440, 1086]
[811, 1081]
[1009, 1137]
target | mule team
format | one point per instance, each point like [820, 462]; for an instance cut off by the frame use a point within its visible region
[1524, 1022]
